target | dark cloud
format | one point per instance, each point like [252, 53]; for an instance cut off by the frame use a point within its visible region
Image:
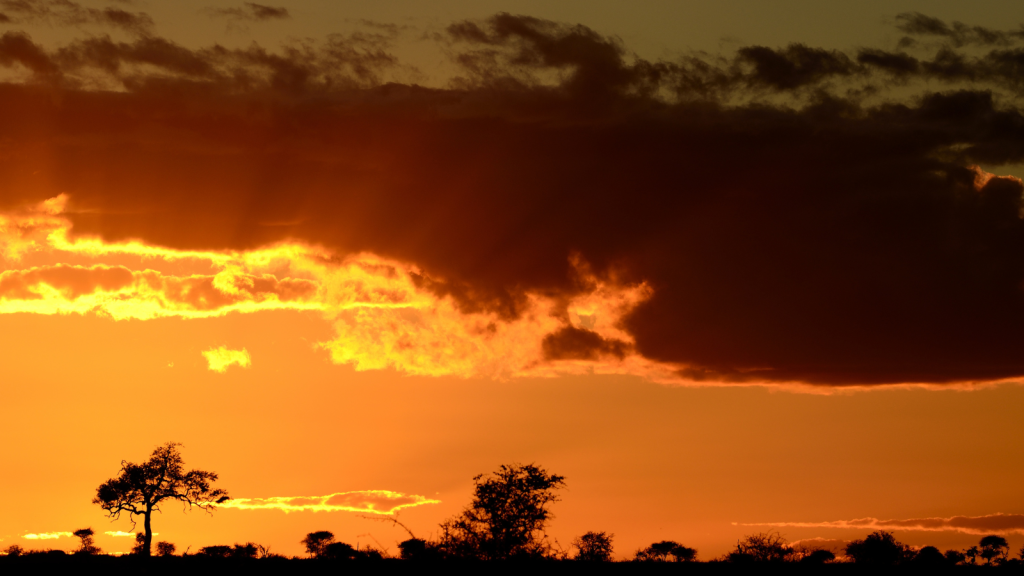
[252, 12]
[897, 63]
[958, 33]
[68, 13]
[828, 239]
[572, 343]
[795, 66]
[17, 48]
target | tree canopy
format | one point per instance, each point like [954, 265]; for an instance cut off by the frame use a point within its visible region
[507, 516]
[140, 489]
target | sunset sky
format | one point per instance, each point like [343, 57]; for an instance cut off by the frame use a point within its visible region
[728, 267]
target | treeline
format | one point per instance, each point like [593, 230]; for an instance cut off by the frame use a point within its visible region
[507, 520]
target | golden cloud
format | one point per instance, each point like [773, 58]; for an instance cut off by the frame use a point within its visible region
[384, 312]
[365, 501]
[221, 358]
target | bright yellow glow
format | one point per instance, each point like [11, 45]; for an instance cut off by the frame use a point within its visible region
[47, 535]
[120, 534]
[381, 317]
[365, 501]
[221, 358]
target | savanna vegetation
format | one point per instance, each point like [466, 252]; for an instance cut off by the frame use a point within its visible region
[504, 525]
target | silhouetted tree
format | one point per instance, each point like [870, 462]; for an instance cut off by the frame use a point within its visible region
[507, 517]
[14, 550]
[954, 557]
[87, 547]
[165, 549]
[972, 554]
[929, 557]
[316, 542]
[762, 547]
[664, 551]
[819, 556]
[140, 489]
[878, 549]
[994, 548]
[594, 547]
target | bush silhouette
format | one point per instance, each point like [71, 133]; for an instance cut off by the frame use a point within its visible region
[818, 557]
[954, 557]
[762, 547]
[14, 550]
[418, 549]
[878, 549]
[593, 547]
[140, 489]
[247, 550]
[665, 551]
[138, 549]
[339, 551]
[507, 516]
[165, 549]
[215, 551]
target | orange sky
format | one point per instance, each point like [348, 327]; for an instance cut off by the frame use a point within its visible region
[347, 295]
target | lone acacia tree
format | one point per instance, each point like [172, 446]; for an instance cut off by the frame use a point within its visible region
[140, 488]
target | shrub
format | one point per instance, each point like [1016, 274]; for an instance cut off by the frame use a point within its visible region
[593, 547]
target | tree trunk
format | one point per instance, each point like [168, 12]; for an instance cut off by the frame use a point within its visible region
[147, 548]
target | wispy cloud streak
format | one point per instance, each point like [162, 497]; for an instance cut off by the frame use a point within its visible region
[365, 501]
[46, 535]
[992, 523]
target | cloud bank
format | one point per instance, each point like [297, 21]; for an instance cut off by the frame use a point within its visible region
[775, 215]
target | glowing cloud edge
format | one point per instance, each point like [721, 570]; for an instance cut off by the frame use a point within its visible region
[369, 498]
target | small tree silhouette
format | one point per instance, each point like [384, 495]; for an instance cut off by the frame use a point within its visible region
[140, 489]
[971, 554]
[14, 550]
[762, 547]
[594, 547]
[507, 517]
[87, 547]
[878, 549]
[930, 557]
[664, 551]
[954, 557]
[316, 542]
[138, 549]
[994, 549]
[165, 549]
